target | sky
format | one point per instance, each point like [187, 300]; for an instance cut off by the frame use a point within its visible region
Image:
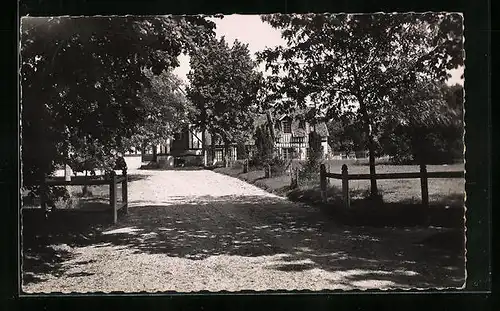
[258, 35]
[247, 29]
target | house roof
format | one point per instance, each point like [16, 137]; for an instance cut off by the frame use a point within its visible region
[297, 131]
[322, 129]
[208, 139]
[261, 119]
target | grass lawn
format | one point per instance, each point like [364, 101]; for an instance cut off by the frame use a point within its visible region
[397, 194]
[441, 190]
[97, 198]
[73, 214]
[279, 184]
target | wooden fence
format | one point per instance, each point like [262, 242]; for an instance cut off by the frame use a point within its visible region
[111, 180]
[423, 175]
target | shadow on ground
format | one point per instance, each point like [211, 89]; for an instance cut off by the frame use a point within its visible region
[444, 211]
[136, 177]
[258, 226]
[153, 166]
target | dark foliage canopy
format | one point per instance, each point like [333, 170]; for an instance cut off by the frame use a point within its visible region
[223, 89]
[363, 63]
[82, 81]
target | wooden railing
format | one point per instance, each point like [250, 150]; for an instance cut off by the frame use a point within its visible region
[287, 140]
[423, 175]
[113, 180]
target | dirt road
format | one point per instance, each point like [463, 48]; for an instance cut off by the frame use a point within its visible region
[201, 231]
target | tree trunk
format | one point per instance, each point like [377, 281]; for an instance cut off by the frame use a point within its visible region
[85, 189]
[155, 153]
[203, 146]
[270, 125]
[226, 153]
[213, 147]
[371, 149]
[271, 132]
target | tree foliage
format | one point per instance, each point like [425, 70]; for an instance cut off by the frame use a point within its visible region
[361, 63]
[346, 134]
[314, 155]
[264, 144]
[166, 110]
[82, 81]
[223, 89]
[438, 140]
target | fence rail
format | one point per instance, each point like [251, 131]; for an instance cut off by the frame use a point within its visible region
[112, 181]
[423, 175]
[451, 174]
[81, 181]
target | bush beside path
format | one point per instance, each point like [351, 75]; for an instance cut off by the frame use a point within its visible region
[401, 198]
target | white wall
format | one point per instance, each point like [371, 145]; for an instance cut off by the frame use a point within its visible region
[325, 147]
[166, 161]
[303, 154]
[133, 151]
[133, 161]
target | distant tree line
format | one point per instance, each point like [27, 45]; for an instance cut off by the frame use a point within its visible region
[383, 68]
[405, 143]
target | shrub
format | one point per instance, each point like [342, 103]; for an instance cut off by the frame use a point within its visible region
[278, 166]
[241, 151]
[238, 164]
[120, 164]
[314, 157]
[254, 162]
[264, 145]
[373, 200]
[55, 194]
[436, 144]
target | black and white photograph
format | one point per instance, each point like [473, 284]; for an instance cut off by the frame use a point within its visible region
[235, 153]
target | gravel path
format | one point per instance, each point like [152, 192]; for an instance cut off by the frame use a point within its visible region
[202, 231]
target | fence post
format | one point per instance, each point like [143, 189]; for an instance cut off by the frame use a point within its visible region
[43, 196]
[328, 179]
[125, 191]
[322, 182]
[112, 196]
[67, 173]
[297, 176]
[267, 171]
[345, 186]
[294, 176]
[424, 185]
[245, 166]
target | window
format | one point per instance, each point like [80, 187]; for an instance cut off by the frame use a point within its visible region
[287, 153]
[287, 126]
[302, 124]
[219, 156]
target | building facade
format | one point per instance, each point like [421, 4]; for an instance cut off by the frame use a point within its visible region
[292, 137]
[185, 147]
